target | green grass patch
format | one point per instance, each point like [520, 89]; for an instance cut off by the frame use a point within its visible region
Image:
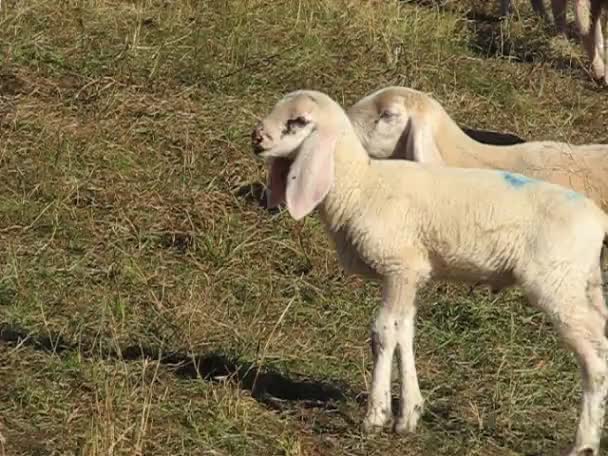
[149, 306]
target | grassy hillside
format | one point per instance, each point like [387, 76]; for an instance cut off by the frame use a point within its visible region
[149, 305]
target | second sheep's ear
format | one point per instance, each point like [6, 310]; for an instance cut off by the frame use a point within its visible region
[311, 175]
[421, 145]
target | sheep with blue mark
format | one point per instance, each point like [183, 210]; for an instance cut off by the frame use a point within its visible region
[402, 123]
[405, 223]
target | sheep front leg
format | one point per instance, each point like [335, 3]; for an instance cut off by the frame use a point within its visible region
[383, 342]
[411, 402]
[387, 330]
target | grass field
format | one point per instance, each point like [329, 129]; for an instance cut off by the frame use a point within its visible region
[150, 306]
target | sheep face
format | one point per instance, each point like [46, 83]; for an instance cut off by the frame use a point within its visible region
[297, 140]
[281, 132]
[382, 125]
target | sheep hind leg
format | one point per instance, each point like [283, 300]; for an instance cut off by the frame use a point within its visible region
[582, 329]
[385, 330]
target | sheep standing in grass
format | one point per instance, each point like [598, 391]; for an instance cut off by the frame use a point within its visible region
[399, 122]
[589, 22]
[404, 223]
[557, 6]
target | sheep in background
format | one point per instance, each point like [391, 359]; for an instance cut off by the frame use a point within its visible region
[404, 223]
[399, 122]
[558, 7]
[589, 22]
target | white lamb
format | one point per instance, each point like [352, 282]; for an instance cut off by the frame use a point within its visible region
[399, 122]
[404, 223]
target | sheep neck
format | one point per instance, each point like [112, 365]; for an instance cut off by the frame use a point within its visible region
[459, 150]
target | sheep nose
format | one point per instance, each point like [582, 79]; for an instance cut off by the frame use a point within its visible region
[256, 139]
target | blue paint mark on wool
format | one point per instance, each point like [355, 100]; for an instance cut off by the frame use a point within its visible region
[572, 195]
[517, 180]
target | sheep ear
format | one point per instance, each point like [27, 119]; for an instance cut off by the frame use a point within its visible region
[311, 175]
[421, 145]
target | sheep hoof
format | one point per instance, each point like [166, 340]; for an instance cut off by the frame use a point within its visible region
[597, 71]
[404, 426]
[370, 428]
[375, 421]
[407, 424]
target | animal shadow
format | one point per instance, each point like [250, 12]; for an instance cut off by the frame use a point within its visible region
[255, 193]
[266, 385]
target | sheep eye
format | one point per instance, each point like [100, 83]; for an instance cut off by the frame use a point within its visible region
[298, 122]
[387, 114]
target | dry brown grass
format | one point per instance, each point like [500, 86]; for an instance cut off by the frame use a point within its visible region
[143, 290]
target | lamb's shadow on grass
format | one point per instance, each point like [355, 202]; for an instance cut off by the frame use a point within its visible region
[340, 408]
[255, 193]
[265, 385]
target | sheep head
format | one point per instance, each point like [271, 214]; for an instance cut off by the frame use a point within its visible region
[298, 139]
[381, 121]
[396, 122]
